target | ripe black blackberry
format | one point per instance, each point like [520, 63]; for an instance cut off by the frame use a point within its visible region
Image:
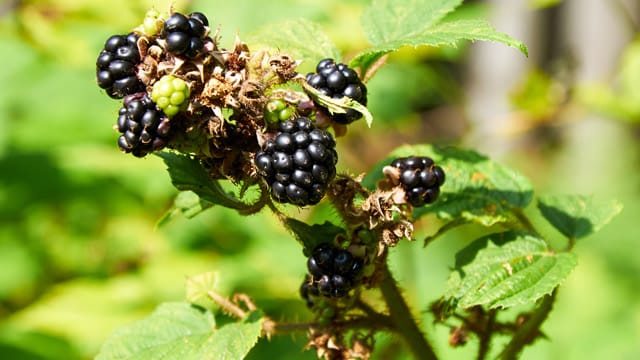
[116, 66]
[298, 163]
[333, 272]
[420, 178]
[185, 35]
[338, 80]
[143, 126]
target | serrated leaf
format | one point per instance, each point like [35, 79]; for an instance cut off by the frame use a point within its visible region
[301, 38]
[577, 216]
[507, 269]
[199, 286]
[338, 106]
[187, 174]
[182, 331]
[310, 236]
[390, 25]
[476, 188]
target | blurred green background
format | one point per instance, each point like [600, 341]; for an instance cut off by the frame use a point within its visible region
[80, 250]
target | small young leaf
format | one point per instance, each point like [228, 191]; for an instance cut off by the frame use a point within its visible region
[338, 106]
[301, 38]
[390, 25]
[577, 216]
[476, 189]
[198, 287]
[188, 174]
[311, 236]
[508, 269]
[187, 204]
[182, 331]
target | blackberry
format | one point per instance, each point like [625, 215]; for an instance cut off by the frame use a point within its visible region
[143, 126]
[420, 178]
[333, 272]
[185, 35]
[116, 66]
[171, 94]
[298, 163]
[336, 81]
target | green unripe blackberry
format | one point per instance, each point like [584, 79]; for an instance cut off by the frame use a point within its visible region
[152, 23]
[277, 111]
[171, 94]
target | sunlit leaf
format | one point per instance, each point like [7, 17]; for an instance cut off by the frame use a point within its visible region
[507, 269]
[476, 188]
[300, 38]
[182, 331]
[390, 25]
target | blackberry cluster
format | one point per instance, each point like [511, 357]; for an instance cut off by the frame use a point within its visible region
[338, 80]
[420, 178]
[143, 126]
[298, 163]
[185, 34]
[116, 66]
[332, 273]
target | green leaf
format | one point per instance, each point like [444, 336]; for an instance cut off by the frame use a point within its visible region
[390, 25]
[301, 38]
[187, 174]
[577, 216]
[476, 189]
[507, 269]
[311, 236]
[338, 106]
[182, 331]
[199, 286]
[187, 204]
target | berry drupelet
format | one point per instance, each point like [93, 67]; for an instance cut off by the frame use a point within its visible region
[420, 178]
[333, 272]
[116, 66]
[298, 163]
[185, 35]
[336, 81]
[143, 126]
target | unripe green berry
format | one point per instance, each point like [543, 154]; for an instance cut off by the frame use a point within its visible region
[276, 111]
[171, 94]
[152, 23]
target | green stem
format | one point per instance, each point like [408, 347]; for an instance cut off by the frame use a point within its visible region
[446, 227]
[402, 318]
[524, 220]
[530, 330]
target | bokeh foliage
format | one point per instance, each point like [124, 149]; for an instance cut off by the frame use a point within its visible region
[80, 250]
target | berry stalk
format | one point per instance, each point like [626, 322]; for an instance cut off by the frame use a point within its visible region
[402, 318]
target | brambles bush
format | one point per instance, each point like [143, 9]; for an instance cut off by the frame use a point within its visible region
[247, 118]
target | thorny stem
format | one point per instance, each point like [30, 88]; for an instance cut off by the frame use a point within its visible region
[402, 318]
[376, 317]
[485, 335]
[530, 329]
[272, 327]
[227, 305]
